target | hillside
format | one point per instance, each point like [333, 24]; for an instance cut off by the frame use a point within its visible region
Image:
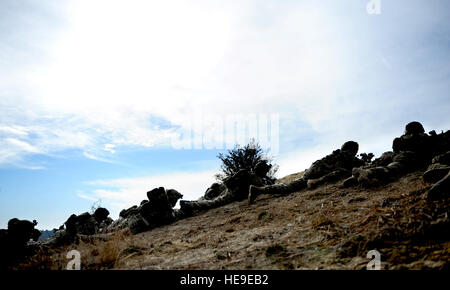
[330, 227]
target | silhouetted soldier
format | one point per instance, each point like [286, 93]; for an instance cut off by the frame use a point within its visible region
[336, 166]
[157, 211]
[411, 151]
[234, 188]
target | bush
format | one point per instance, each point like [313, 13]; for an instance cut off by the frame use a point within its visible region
[244, 158]
[97, 204]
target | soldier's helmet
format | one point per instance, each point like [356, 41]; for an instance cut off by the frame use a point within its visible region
[351, 147]
[414, 128]
[262, 168]
[173, 196]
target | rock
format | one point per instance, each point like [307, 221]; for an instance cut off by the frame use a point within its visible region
[441, 189]
[435, 172]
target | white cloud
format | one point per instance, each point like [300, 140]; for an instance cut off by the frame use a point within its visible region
[104, 80]
[93, 157]
[114, 70]
[86, 196]
[14, 130]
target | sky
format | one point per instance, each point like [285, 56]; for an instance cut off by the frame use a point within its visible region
[101, 101]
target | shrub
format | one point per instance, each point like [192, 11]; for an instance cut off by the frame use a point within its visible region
[244, 158]
[97, 204]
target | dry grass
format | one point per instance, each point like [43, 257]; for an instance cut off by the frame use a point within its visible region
[326, 228]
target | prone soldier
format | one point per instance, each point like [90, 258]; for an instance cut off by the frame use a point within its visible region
[336, 166]
[234, 188]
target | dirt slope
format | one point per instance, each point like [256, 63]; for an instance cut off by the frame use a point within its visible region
[326, 228]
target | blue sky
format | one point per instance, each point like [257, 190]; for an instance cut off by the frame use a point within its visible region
[94, 93]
